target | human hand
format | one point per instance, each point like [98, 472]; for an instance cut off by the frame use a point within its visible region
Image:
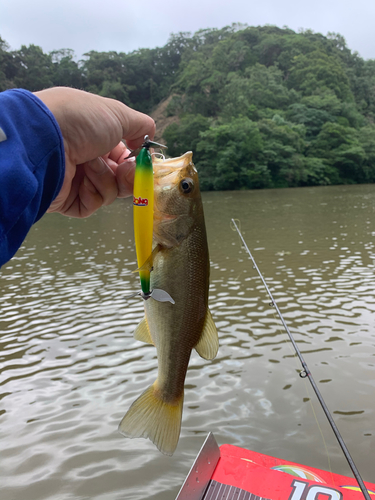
[96, 172]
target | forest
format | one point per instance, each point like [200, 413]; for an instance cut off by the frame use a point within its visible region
[260, 107]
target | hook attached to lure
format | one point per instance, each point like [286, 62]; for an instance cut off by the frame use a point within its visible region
[143, 214]
[146, 144]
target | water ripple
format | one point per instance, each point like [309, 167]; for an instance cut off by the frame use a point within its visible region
[70, 367]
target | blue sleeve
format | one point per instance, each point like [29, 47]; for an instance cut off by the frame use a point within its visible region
[32, 166]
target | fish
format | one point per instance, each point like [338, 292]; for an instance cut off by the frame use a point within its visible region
[180, 266]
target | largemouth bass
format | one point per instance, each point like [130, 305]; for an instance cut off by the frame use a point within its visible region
[181, 267]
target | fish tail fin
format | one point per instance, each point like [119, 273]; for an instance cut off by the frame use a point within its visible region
[151, 417]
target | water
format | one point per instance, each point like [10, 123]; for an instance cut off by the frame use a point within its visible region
[70, 368]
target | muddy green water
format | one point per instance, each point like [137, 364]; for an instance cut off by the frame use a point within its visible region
[70, 368]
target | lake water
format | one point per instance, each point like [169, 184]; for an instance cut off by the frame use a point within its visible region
[70, 367]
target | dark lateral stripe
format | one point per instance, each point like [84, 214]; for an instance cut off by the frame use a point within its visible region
[216, 491]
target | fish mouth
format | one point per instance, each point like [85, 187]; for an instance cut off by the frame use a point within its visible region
[167, 173]
[167, 176]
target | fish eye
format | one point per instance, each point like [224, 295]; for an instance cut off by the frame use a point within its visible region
[186, 185]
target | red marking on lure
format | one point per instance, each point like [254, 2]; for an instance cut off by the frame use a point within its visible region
[140, 202]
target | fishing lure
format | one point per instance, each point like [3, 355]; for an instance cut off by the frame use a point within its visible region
[143, 214]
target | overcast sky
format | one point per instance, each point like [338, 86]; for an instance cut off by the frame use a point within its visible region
[104, 25]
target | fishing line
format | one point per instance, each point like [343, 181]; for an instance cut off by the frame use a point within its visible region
[320, 430]
[310, 399]
[159, 156]
[305, 373]
[294, 356]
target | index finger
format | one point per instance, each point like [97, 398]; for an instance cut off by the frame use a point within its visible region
[118, 153]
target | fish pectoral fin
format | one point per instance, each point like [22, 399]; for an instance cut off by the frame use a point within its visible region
[142, 332]
[147, 266]
[208, 344]
[152, 417]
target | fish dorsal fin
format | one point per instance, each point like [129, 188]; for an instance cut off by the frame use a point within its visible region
[147, 266]
[142, 332]
[208, 344]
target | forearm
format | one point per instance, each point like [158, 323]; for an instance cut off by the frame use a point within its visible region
[32, 166]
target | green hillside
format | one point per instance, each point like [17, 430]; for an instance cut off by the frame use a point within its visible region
[259, 106]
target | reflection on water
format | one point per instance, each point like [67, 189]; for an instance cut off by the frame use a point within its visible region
[70, 368]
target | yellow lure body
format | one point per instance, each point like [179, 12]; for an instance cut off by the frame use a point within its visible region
[143, 214]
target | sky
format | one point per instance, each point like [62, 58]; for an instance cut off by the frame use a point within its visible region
[124, 26]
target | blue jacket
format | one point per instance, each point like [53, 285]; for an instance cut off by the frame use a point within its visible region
[32, 166]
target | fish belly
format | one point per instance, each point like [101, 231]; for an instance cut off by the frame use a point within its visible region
[176, 328]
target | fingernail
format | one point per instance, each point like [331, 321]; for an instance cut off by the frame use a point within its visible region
[125, 158]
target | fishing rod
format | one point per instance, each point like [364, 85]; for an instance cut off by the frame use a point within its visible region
[306, 373]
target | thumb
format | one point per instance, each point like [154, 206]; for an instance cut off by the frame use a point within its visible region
[135, 125]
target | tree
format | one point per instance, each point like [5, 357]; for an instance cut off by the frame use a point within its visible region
[259, 106]
[313, 119]
[367, 141]
[104, 73]
[283, 151]
[259, 86]
[8, 66]
[199, 82]
[184, 136]
[34, 68]
[319, 71]
[339, 147]
[65, 70]
[229, 157]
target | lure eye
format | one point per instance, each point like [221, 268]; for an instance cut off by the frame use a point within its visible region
[186, 185]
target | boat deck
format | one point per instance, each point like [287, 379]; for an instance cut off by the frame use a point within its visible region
[233, 473]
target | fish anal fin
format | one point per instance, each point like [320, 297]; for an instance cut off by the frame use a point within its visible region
[208, 344]
[142, 332]
[151, 417]
[147, 266]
